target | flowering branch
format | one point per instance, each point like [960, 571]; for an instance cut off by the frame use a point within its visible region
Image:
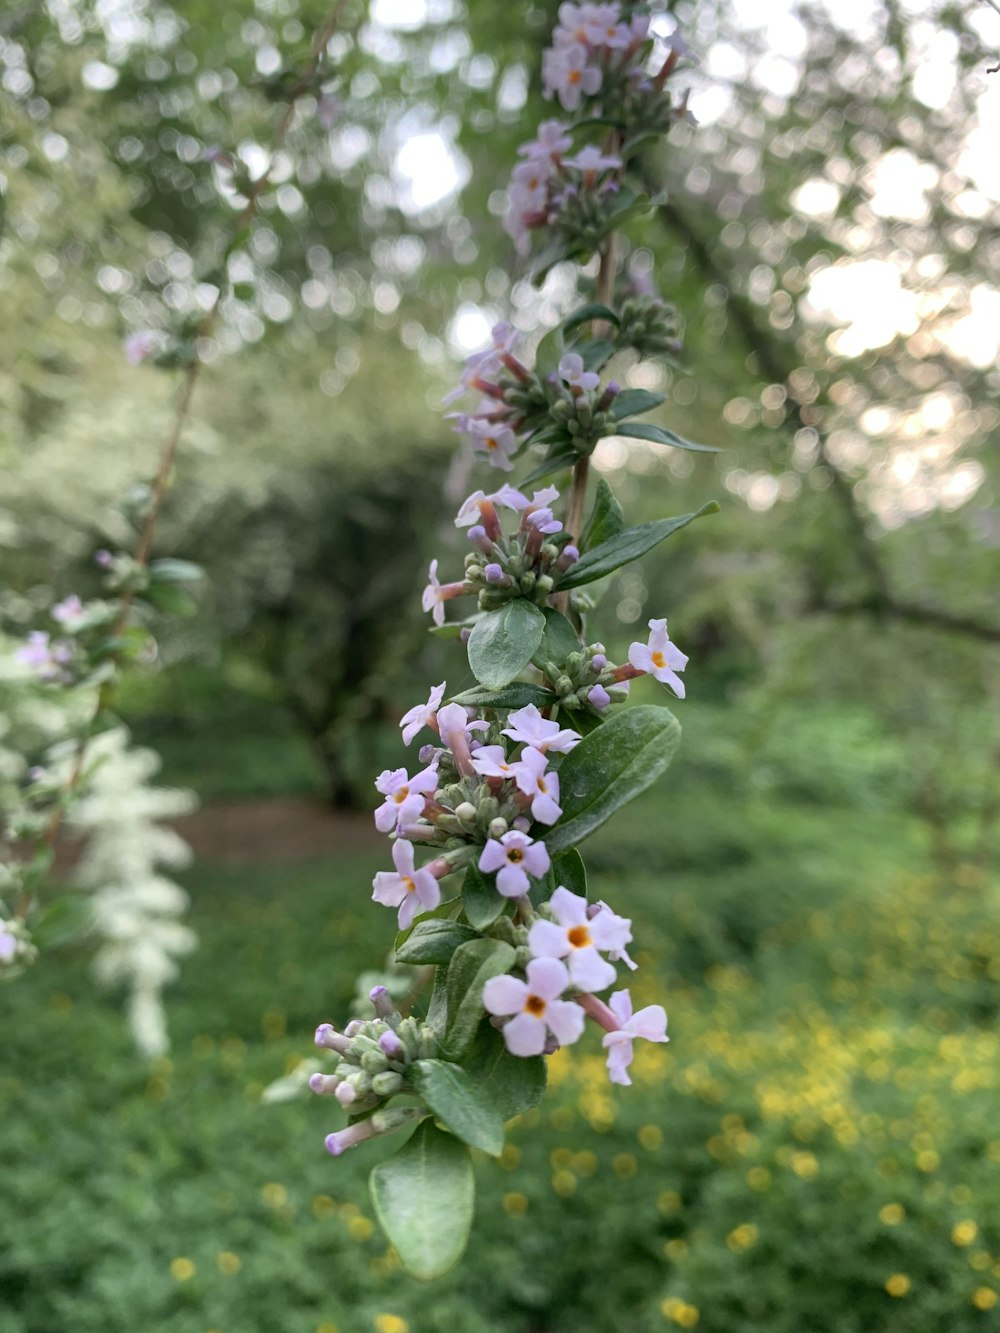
[527, 763]
[102, 640]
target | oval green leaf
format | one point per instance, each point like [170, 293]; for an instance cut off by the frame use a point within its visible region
[633, 402]
[610, 767]
[518, 695]
[559, 639]
[481, 902]
[641, 430]
[607, 518]
[433, 942]
[460, 1102]
[503, 642]
[625, 547]
[423, 1198]
[471, 967]
[514, 1083]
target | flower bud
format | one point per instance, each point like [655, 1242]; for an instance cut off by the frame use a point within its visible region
[387, 1083]
[392, 1046]
[498, 827]
[598, 661]
[466, 813]
[382, 1000]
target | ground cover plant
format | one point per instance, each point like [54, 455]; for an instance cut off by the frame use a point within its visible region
[830, 1105]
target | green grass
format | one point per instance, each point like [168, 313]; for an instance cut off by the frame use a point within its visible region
[833, 1057]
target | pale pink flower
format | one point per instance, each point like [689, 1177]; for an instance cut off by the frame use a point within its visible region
[552, 141]
[591, 160]
[536, 1007]
[528, 727]
[659, 658]
[566, 72]
[405, 797]
[572, 371]
[490, 761]
[515, 856]
[69, 612]
[649, 1023]
[576, 936]
[421, 714]
[495, 441]
[542, 787]
[409, 889]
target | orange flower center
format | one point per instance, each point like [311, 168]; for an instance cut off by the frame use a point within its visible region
[658, 659]
[575, 76]
[408, 884]
[514, 855]
[401, 795]
[578, 936]
[534, 1004]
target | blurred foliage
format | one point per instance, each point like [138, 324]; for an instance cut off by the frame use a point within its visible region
[826, 1106]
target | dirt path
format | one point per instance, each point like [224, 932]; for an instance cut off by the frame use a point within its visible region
[280, 830]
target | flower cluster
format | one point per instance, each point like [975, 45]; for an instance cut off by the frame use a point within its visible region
[562, 194]
[575, 410]
[373, 1057]
[548, 1008]
[602, 63]
[482, 791]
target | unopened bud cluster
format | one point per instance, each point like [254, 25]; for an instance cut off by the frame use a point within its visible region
[373, 1055]
[649, 326]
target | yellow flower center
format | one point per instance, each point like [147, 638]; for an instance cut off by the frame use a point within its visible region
[575, 76]
[658, 659]
[408, 884]
[400, 796]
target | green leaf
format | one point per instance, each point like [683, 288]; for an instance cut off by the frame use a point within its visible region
[423, 1198]
[607, 518]
[471, 967]
[609, 767]
[518, 695]
[480, 899]
[503, 642]
[437, 1010]
[641, 430]
[452, 629]
[633, 402]
[62, 920]
[596, 353]
[569, 871]
[515, 1084]
[169, 570]
[593, 310]
[460, 1103]
[558, 641]
[433, 942]
[549, 351]
[625, 547]
[559, 462]
[446, 908]
[169, 599]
